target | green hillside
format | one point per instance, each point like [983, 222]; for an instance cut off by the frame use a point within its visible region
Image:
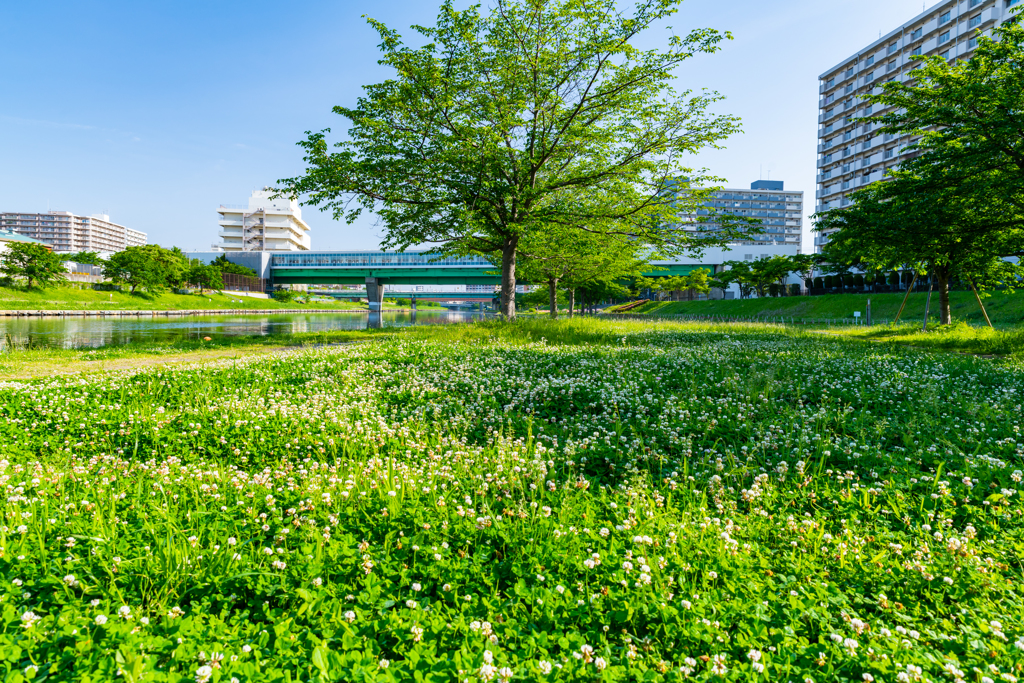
[1003, 308]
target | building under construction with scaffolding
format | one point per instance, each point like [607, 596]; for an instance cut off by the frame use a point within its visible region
[265, 225]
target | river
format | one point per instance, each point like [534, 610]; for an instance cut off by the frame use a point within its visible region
[93, 332]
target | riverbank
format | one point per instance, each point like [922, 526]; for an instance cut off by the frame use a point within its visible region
[1004, 309]
[69, 300]
[577, 500]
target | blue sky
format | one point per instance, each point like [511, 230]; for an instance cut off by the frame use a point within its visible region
[157, 112]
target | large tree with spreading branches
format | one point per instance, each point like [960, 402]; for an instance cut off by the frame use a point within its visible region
[485, 127]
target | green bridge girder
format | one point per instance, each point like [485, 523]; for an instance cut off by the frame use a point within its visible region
[416, 275]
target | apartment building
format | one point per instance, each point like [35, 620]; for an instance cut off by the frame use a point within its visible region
[264, 224]
[66, 232]
[779, 210]
[852, 154]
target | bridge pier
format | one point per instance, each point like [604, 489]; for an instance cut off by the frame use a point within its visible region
[374, 293]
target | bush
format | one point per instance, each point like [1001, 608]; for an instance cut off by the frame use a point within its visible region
[894, 279]
[869, 279]
[858, 280]
[794, 289]
[774, 289]
[830, 281]
[819, 283]
[809, 283]
[284, 295]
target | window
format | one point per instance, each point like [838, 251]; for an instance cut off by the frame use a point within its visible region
[869, 61]
[847, 135]
[849, 89]
[846, 168]
[846, 184]
[828, 158]
[828, 144]
[867, 110]
[972, 43]
[916, 52]
[829, 127]
[916, 33]
[826, 175]
[830, 83]
[974, 3]
[830, 99]
[849, 72]
[890, 152]
[944, 55]
[975, 21]
[870, 77]
[828, 113]
[944, 18]
[891, 65]
[944, 38]
[893, 47]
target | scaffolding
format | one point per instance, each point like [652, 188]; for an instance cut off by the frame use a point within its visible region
[254, 228]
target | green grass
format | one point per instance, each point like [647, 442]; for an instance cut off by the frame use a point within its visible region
[1003, 308]
[589, 500]
[74, 299]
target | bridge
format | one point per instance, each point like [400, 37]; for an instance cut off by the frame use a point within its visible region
[375, 269]
[378, 268]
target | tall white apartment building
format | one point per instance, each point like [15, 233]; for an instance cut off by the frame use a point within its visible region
[264, 225]
[66, 232]
[852, 154]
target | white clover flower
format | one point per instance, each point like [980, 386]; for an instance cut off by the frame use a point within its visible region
[124, 611]
[384, 663]
[204, 673]
[544, 666]
[101, 619]
[600, 663]
[417, 587]
[350, 616]
[28, 619]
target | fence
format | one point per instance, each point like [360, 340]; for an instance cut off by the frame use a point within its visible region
[243, 283]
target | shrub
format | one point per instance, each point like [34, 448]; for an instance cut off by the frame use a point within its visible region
[794, 289]
[819, 283]
[830, 281]
[894, 279]
[284, 295]
[858, 280]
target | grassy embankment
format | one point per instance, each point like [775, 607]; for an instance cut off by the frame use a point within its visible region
[590, 500]
[75, 299]
[1004, 309]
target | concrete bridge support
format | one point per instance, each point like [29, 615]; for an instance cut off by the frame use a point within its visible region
[375, 293]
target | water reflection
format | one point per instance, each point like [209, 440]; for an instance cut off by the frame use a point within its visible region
[92, 332]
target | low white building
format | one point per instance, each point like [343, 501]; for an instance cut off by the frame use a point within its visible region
[266, 225]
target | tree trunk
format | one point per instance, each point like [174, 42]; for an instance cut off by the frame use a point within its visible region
[572, 302]
[553, 296]
[508, 278]
[942, 272]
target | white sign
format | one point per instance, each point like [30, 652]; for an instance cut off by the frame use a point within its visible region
[856, 314]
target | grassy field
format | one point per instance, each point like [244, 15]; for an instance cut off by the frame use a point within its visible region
[75, 299]
[1003, 309]
[577, 501]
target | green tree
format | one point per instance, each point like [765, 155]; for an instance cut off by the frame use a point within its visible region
[89, 258]
[205, 276]
[956, 208]
[136, 267]
[34, 262]
[481, 132]
[759, 275]
[966, 116]
[571, 257]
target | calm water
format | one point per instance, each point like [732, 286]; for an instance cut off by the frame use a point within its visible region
[79, 332]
